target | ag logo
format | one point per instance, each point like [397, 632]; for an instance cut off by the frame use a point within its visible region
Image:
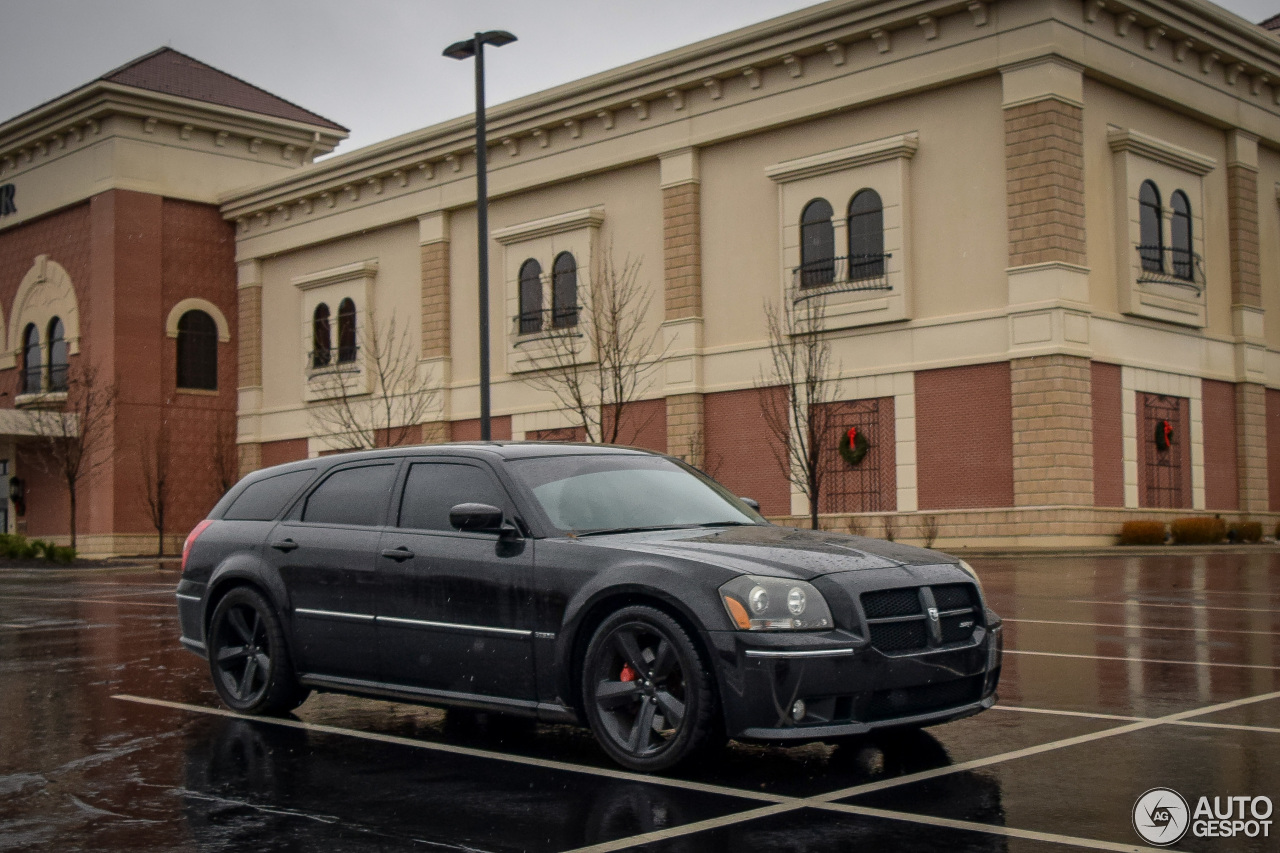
[1160, 816]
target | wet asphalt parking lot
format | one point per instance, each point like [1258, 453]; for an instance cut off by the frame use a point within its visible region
[1122, 674]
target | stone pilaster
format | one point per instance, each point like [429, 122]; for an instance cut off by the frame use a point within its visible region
[1052, 431]
[437, 432]
[1242, 219]
[685, 423]
[433, 239]
[249, 330]
[250, 457]
[1044, 162]
[682, 303]
[682, 250]
[1251, 446]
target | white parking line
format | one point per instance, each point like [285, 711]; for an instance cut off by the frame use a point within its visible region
[1009, 651]
[1139, 626]
[1200, 724]
[170, 606]
[1192, 606]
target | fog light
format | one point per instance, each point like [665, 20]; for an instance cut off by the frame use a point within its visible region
[798, 710]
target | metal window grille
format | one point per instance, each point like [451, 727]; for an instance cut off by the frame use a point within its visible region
[1164, 467]
[853, 488]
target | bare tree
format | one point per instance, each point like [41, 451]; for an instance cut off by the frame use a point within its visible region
[225, 463]
[604, 362]
[796, 390]
[76, 436]
[153, 451]
[390, 412]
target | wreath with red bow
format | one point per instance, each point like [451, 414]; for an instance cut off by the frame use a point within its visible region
[1164, 435]
[854, 446]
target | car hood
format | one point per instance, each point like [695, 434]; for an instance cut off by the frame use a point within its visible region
[775, 551]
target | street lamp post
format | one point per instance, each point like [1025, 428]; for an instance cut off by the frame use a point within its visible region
[474, 47]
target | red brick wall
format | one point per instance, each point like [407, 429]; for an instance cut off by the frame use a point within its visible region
[469, 430]
[1273, 449]
[964, 437]
[280, 452]
[1221, 481]
[1108, 435]
[872, 484]
[1148, 493]
[572, 433]
[644, 424]
[740, 451]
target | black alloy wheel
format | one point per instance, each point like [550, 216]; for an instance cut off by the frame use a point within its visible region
[249, 658]
[647, 693]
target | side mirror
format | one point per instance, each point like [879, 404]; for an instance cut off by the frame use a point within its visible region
[477, 518]
[751, 502]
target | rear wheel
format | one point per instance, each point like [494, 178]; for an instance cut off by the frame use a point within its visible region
[647, 693]
[248, 656]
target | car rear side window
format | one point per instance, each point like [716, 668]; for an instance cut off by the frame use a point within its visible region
[351, 496]
[265, 499]
[434, 488]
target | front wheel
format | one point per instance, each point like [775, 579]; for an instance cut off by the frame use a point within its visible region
[647, 693]
[248, 657]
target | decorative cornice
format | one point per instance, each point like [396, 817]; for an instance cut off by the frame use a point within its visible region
[1162, 152]
[588, 217]
[903, 145]
[346, 272]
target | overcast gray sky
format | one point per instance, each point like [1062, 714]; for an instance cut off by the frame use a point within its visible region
[371, 65]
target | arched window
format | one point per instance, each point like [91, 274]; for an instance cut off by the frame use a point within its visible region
[1151, 246]
[346, 331]
[57, 375]
[530, 297]
[31, 359]
[197, 351]
[866, 236]
[1180, 236]
[564, 291]
[321, 340]
[817, 244]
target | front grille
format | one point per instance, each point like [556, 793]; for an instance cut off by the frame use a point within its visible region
[910, 701]
[899, 636]
[891, 602]
[898, 621]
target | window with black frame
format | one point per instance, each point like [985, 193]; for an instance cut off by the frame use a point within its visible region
[530, 297]
[866, 236]
[57, 373]
[346, 331]
[817, 244]
[1180, 237]
[321, 337]
[31, 361]
[564, 291]
[197, 351]
[1151, 236]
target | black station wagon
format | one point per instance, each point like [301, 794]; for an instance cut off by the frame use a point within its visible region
[601, 585]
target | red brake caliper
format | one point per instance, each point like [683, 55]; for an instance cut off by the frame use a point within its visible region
[628, 674]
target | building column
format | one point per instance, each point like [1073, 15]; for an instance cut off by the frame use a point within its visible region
[1052, 384]
[249, 364]
[1247, 320]
[436, 358]
[682, 303]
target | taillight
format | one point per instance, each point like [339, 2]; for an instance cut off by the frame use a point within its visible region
[191, 540]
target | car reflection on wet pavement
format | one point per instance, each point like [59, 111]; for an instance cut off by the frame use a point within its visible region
[1121, 674]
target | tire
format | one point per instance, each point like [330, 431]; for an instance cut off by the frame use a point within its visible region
[647, 693]
[248, 657]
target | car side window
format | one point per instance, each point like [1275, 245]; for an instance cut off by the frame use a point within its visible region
[434, 488]
[351, 496]
[263, 500]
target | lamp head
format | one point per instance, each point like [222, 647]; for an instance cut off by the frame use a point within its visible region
[467, 49]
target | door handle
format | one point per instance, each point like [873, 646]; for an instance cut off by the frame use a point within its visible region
[398, 554]
[285, 545]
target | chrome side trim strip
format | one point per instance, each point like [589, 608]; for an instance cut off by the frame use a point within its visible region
[543, 635]
[330, 614]
[453, 626]
[817, 653]
[186, 597]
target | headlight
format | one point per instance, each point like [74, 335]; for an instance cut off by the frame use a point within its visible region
[968, 570]
[774, 604]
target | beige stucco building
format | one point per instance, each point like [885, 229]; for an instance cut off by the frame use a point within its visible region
[1058, 309]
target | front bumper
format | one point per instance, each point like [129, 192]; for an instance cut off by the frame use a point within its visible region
[848, 687]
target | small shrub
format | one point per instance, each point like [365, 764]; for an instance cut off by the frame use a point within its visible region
[63, 554]
[890, 527]
[856, 526]
[1198, 530]
[1142, 533]
[23, 550]
[929, 529]
[1245, 531]
[43, 548]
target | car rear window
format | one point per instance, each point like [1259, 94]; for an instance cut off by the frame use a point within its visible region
[352, 496]
[265, 499]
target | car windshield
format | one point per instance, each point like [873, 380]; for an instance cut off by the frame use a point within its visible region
[599, 494]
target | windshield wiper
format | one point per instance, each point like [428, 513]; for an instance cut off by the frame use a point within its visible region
[728, 524]
[604, 530]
